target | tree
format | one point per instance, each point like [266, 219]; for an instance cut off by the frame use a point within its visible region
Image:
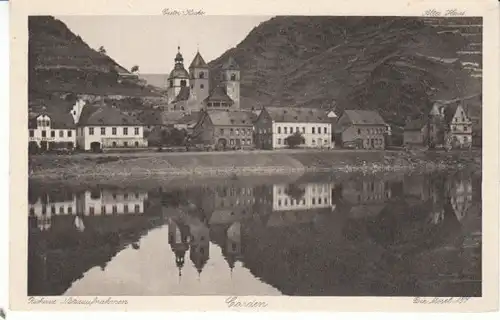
[134, 69]
[295, 192]
[295, 140]
[102, 50]
[174, 137]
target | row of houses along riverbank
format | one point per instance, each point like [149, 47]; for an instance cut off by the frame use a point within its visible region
[212, 115]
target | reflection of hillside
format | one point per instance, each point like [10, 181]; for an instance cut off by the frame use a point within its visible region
[61, 255]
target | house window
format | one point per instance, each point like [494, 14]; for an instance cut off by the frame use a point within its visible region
[319, 130]
[279, 203]
[103, 209]
[61, 210]
[286, 130]
[303, 129]
[52, 133]
[279, 141]
[291, 130]
[125, 144]
[221, 131]
[32, 133]
[249, 141]
[297, 129]
[113, 131]
[313, 130]
[279, 129]
[137, 208]
[325, 130]
[44, 134]
[113, 144]
[136, 131]
[313, 141]
[136, 144]
[359, 131]
[91, 131]
[115, 209]
[125, 208]
[103, 131]
[237, 132]
[61, 133]
[125, 131]
[231, 130]
[53, 209]
[231, 142]
[70, 210]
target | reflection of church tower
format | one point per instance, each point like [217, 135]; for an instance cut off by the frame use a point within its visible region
[199, 248]
[178, 238]
[178, 78]
[231, 76]
[232, 248]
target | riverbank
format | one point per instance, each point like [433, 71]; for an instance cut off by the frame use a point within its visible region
[170, 165]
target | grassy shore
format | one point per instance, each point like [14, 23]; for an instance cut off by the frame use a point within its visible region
[229, 164]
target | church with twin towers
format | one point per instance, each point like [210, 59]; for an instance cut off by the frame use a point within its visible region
[191, 91]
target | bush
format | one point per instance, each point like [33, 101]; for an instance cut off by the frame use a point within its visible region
[295, 140]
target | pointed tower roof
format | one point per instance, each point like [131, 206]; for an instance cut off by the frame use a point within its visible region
[198, 62]
[230, 64]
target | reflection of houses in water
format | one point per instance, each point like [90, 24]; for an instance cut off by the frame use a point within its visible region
[367, 197]
[47, 205]
[102, 202]
[229, 239]
[460, 192]
[88, 203]
[302, 197]
[199, 245]
[230, 203]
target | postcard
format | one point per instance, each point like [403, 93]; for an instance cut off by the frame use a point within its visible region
[264, 156]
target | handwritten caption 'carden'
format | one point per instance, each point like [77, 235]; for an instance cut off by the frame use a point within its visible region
[76, 301]
[182, 12]
[446, 13]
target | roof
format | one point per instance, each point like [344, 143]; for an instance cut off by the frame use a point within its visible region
[230, 118]
[363, 117]
[58, 120]
[105, 116]
[415, 124]
[179, 72]
[230, 64]
[219, 94]
[182, 95]
[190, 119]
[298, 115]
[198, 62]
[150, 117]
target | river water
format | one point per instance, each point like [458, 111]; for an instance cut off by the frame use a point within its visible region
[356, 235]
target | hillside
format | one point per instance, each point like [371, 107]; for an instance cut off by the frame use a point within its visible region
[395, 65]
[60, 62]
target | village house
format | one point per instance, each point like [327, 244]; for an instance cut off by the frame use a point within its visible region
[363, 129]
[225, 129]
[51, 131]
[104, 127]
[450, 125]
[315, 195]
[415, 132]
[274, 125]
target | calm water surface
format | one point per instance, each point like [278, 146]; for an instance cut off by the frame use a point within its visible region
[359, 235]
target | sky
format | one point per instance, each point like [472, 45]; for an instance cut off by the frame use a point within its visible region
[151, 41]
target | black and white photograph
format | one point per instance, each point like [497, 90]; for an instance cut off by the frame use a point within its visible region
[254, 156]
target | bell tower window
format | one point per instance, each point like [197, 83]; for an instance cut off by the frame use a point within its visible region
[233, 77]
[183, 83]
[171, 83]
[202, 75]
[202, 86]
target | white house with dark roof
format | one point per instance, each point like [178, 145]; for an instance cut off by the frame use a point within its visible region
[106, 127]
[50, 130]
[274, 125]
